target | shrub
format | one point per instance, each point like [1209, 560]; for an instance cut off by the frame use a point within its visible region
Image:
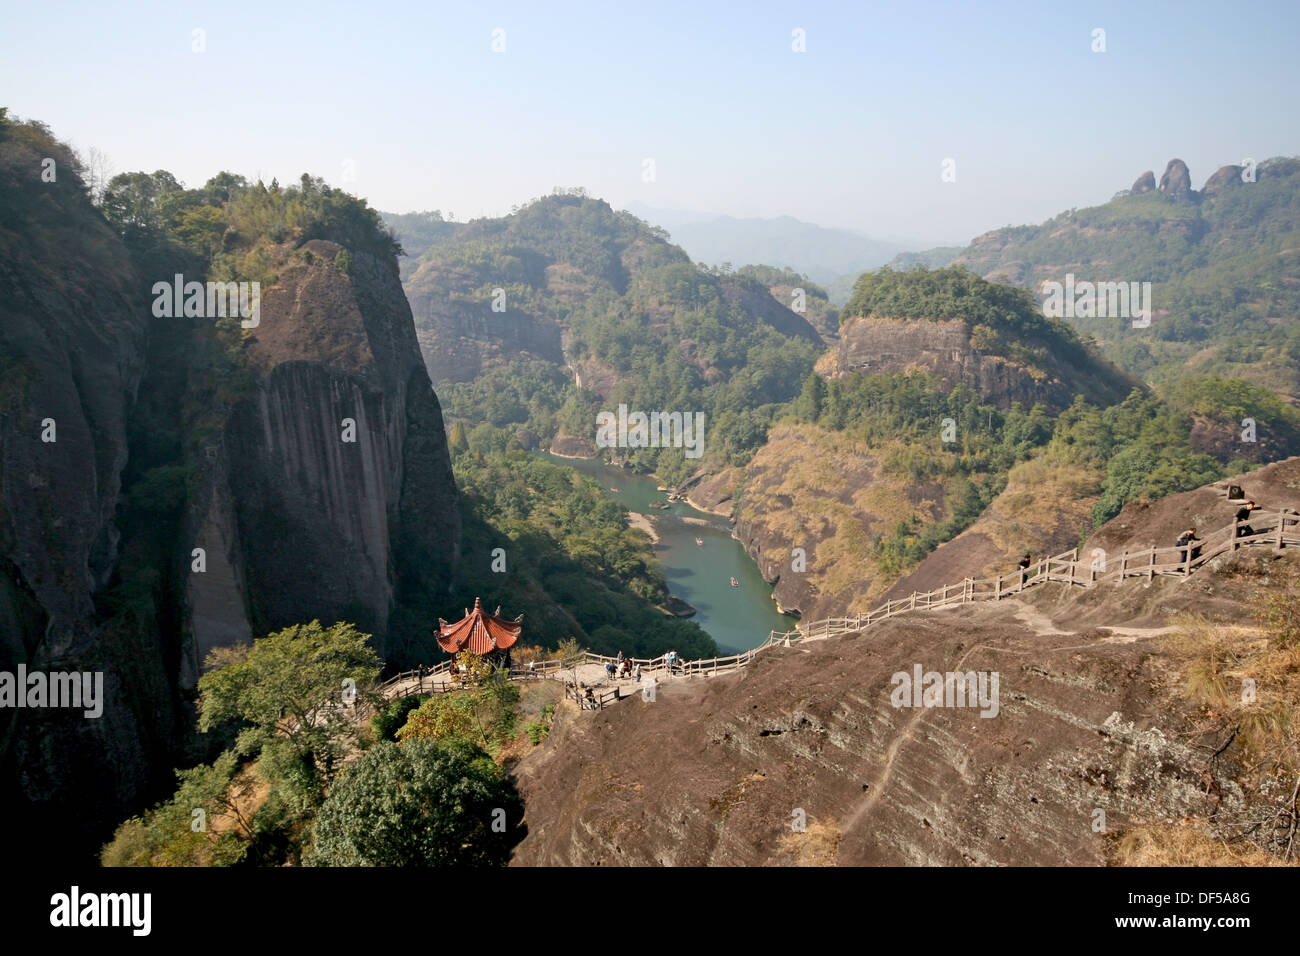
[391, 719]
[421, 803]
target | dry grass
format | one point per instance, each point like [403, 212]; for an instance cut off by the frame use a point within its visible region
[1183, 844]
[819, 845]
[1244, 678]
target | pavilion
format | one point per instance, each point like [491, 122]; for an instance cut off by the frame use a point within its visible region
[481, 633]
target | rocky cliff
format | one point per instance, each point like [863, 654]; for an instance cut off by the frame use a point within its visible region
[73, 321]
[879, 344]
[309, 464]
[334, 473]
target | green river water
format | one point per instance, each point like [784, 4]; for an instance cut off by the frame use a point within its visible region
[736, 618]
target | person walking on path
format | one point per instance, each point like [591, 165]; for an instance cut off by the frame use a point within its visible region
[1024, 564]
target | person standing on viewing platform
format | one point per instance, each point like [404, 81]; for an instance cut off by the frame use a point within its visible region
[1243, 513]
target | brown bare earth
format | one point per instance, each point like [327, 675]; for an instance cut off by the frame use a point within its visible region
[1095, 714]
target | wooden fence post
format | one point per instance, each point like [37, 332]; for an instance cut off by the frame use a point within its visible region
[1281, 527]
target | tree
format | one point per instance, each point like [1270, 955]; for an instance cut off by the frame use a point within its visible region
[131, 202]
[423, 803]
[294, 685]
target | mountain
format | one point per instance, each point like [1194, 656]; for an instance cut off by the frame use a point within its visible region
[1223, 263]
[175, 480]
[569, 283]
[822, 254]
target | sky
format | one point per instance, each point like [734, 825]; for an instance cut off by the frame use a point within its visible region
[697, 106]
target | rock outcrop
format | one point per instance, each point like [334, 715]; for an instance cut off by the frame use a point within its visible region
[809, 735]
[809, 756]
[879, 344]
[1224, 177]
[1144, 184]
[334, 471]
[1176, 181]
[296, 520]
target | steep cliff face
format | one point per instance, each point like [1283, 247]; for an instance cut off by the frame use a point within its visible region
[333, 474]
[72, 342]
[876, 344]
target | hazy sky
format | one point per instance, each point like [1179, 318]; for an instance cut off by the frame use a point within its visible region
[850, 133]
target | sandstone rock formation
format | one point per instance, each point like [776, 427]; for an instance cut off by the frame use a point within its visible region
[876, 344]
[73, 321]
[1224, 177]
[1145, 183]
[1176, 181]
[1092, 715]
[299, 523]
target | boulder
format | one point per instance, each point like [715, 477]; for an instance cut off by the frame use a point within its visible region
[1177, 181]
[1222, 179]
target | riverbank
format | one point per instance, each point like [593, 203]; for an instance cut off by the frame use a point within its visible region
[645, 523]
[699, 556]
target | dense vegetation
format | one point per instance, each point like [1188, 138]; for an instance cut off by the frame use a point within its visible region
[1140, 448]
[675, 337]
[1004, 320]
[280, 792]
[569, 554]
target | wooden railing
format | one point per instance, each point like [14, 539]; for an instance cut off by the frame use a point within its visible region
[1273, 529]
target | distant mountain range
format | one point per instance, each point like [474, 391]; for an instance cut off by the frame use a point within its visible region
[823, 254]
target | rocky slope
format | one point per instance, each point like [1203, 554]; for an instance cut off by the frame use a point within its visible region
[1092, 716]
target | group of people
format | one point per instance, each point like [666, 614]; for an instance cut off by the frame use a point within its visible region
[622, 668]
[1189, 543]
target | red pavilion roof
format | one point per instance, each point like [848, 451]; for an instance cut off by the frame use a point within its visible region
[479, 631]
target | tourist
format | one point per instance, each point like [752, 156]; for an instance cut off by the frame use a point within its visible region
[1185, 541]
[638, 673]
[609, 669]
[1024, 564]
[1243, 513]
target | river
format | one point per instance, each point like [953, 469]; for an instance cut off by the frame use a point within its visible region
[736, 618]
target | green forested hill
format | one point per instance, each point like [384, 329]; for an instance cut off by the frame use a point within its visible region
[1224, 263]
[567, 285]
